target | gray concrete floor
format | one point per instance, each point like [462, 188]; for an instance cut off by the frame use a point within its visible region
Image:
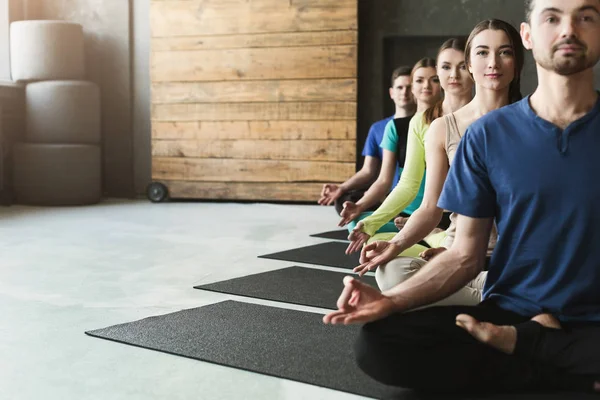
[67, 270]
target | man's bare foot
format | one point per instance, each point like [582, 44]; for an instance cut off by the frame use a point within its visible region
[500, 337]
[503, 338]
[547, 320]
[597, 386]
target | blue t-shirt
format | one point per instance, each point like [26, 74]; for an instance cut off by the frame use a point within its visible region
[540, 183]
[374, 138]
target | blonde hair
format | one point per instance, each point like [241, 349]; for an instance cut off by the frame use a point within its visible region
[426, 62]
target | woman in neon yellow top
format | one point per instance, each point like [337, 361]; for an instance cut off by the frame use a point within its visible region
[458, 87]
[427, 91]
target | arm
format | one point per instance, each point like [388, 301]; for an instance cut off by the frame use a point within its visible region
[375, 193]
[408, 186]
[449, 271]
[382, 185]
[441, 277]
[428, 215]
[469, 192]
[365, 177]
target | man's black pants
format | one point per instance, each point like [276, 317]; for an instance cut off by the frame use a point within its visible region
[426, 350]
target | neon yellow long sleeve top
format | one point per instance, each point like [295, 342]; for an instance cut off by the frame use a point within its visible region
[410, 181]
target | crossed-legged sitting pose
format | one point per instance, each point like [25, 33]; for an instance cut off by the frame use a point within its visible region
[532, 167]
[458, 86]
[426, 89]
[494, 56]
[356, 186]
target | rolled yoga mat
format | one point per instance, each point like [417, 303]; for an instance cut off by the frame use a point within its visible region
[273, 341]
[57, 175]
[65, 112]
[46, 50]
[296, 285]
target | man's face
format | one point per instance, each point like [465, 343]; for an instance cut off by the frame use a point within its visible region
[401, 92]
[564, 35]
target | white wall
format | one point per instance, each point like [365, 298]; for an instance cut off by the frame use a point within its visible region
[107, 28]
[4, 38]
[117, 57]
[10, 10]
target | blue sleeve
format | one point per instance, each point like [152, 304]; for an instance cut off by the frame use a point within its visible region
[371, 146]
[390, 137]
[468, 190]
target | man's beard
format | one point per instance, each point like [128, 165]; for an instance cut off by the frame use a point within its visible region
[566, 65]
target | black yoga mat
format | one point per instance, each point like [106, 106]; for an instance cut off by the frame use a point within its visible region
[274, 341]
[343, 235]
[334, 235]
[296, 285]
[279, 342]
[329, 254]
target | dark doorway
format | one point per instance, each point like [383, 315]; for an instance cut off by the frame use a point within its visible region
[405, 50]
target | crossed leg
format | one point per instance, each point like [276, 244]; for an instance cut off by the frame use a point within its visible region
[426, 350]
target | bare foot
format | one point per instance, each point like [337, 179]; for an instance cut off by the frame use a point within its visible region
[503, 338]
[547, 320]
[597, 386]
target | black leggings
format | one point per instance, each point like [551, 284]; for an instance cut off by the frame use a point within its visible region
[425, 350]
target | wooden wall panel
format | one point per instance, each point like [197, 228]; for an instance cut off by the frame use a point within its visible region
[253, 99]
[258, 130]
[254, 111]
[255, 91]
[221, 17]
[265, 191]
[261, 63]
[230, 170]
[248, 41]
[306, 150]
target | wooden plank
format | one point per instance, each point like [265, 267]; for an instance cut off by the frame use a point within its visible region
[255, 91]
[265, 191]
[254, 111]
[257, 130]
[218, 17]
[252, 64]
[245, 41]
[301, 150]
[230, 170]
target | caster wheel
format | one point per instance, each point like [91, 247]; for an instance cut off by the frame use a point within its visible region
[157, 192]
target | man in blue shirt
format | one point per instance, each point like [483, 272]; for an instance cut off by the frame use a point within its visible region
[354, 188]
[532, 167]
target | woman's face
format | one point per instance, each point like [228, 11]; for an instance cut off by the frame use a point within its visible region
[492, 60]
[426, 86]
[452, 71]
